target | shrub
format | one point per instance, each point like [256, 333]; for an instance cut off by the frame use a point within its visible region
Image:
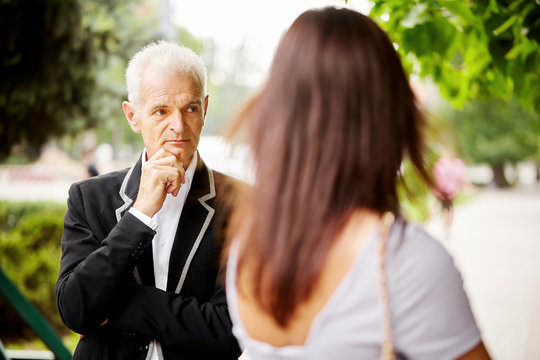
[30, 253]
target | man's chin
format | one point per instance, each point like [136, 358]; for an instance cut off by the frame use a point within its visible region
[180, 154]
[175, 150]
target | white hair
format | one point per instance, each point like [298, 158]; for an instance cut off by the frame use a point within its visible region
[171, 58]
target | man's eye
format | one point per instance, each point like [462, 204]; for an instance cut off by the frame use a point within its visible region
[159, 112]
[192, 109]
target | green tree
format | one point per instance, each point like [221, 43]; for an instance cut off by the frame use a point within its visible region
[46, 58]
[496, 133]
[130, 26]
[484, 55]
[36, 97]
[471, 49]
[62, 68]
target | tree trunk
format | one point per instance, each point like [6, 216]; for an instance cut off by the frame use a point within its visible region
[499, 179]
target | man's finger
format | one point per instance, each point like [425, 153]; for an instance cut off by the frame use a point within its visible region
[160, 154]
[166, 161]
[174, 181]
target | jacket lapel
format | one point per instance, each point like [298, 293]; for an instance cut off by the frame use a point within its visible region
[144, 271]
[194, 221]
[128, 189]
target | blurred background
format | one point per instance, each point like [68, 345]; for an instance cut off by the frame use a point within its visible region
[474, 65]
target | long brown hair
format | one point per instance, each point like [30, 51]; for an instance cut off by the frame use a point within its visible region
[328, 132]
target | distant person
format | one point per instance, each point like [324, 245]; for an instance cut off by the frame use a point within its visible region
[92, 170]
[537, 175]
[318, 269]
[139, 275]
[449, 174]
[89, 162]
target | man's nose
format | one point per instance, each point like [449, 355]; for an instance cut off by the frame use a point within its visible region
[176, 123]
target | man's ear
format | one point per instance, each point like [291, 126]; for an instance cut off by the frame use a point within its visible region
[129, 112]
[205, 105]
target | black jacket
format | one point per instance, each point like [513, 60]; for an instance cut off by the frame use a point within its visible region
[106, 272]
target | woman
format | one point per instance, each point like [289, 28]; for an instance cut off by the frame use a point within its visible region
[313, 271]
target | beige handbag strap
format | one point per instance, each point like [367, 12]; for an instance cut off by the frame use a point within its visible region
[387, 347]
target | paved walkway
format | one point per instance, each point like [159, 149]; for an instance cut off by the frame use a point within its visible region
[495, 240]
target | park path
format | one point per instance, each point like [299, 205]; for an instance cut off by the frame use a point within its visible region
[495, 241]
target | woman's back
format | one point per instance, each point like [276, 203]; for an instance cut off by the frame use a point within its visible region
[338, 264]
[329, 132]
[431, 317]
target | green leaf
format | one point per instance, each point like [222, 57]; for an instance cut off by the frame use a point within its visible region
[502, 28]
[377, 9]
[515, 4]
[476, 56]
[461, 9]
[499, 85]
[493, 6]
[415, 16]
[434, 36]
[522, 49]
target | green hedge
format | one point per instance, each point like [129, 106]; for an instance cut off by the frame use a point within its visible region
[30, 253]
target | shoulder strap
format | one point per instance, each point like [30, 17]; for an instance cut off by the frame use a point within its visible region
[387, 347]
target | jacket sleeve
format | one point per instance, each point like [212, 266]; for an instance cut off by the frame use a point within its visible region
[93, 273]
[177, 321]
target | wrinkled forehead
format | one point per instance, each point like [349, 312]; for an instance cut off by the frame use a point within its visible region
[166, 81]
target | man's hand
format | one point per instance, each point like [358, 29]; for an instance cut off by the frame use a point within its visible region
[162, 174]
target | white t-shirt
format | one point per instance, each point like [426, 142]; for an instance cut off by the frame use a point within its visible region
[430, 313]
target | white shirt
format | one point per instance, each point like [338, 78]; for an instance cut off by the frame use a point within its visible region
[165, 223]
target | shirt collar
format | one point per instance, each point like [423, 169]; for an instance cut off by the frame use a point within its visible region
[190, 172]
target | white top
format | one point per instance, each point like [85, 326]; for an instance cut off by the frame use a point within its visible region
[430, 313]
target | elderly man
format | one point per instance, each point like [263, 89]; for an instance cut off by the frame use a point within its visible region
[139, 274]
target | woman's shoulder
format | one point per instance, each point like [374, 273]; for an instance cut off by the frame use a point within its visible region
[410, 242]
[421, 264]
[427, 294]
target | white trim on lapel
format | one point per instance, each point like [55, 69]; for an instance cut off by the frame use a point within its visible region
[151, 350]
[127, 203]
[211, 212]
[122, 193]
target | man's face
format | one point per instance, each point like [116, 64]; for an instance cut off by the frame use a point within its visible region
[170, 114]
